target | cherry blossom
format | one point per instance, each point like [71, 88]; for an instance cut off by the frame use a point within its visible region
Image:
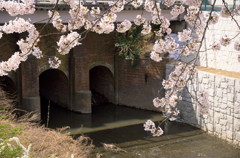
[225, 12]
[136, 3]
[177, 10]
[146, 29]
[150, 126]
[149, 5]
[157, 132]
[213, 19]
[169, 3]
[139, 20]
[155, 56]
[57, 21]
[185, 35]
[118, 6]
[16, 8]
[124, 26]
[54, 62]
[95, 20]
[158, 102]
[225, 40]
[95, 11]
[66, 43]
[27, 46]
[216, 46]
[237, 46]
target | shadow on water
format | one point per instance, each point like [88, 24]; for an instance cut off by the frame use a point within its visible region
[123, 126]
[101, 116]
[110, 123]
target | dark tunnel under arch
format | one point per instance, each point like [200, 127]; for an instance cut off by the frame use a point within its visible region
[101, 85]
[8, 85]
[54, 86]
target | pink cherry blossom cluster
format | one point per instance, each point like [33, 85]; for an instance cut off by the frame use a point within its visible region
[106, 24]
[151, 127]
[95, 11]
[136, 3]
[146, 28]
[57, 21]
[149, 5]
[237, 46]
[54, 62]
[225, 40]
[118, 6]
[213, 19]
[225, 12]
[162, 47]
[185, 35]
[139, 20]
[215, 46]
[67, 42]
[169, 3]
[124, 26]
[27, 46]
[177, 10]
[77, 13]
[17, 8]
[192, 15]
[176, 81]
[95, 20]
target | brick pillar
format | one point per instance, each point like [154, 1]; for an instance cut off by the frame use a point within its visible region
[29, 85]
[116, 77]
[81, 95]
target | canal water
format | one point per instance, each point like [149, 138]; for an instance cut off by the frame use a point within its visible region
[123, 127]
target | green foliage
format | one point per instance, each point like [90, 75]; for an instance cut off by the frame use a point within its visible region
[7, 131]
[3, 112]
[129, 43]
[9, 151]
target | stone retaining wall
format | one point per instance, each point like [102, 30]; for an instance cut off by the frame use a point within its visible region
[223, 119]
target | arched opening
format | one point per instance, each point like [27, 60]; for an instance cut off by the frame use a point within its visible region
[53, 89]
[7, 84]
[101, 85]
[9, 87]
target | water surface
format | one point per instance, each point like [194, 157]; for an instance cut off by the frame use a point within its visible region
[123, 126]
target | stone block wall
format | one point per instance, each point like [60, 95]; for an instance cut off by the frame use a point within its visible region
[223, 89]
[227, 58]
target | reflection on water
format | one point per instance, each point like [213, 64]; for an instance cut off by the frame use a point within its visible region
[123, 126]
[103, 117]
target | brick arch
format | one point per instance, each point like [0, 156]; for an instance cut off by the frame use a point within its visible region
[101, 81]
[7, 84]
[104, 64]
[54, 86]
[46, 68]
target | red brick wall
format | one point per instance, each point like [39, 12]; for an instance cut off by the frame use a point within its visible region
[135, 86]
[7, 46]
[139, 85]
[96, 50]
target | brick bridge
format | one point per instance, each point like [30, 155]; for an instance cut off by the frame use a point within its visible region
[94, 65]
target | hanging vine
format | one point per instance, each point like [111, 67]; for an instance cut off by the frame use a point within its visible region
[129, 43]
